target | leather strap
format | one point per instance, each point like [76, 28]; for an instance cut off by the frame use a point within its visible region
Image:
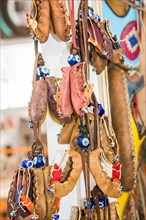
[96, 123]
[85, 165]
[84, 11]
[94, 194]
[38, 61]
[83, 39]
[87, 182]
[37, 131]
[109, 211]
[90, 132]
[35, 46]
[88, 187]
[72, 17]
[80, 33]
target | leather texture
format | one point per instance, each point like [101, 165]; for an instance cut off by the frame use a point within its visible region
[121, 121]
[32, 181]
[19, 176]
[97, 61]
[63, 95]
[51, 99]
[108, 140]
[76, 132]
[66, 131]
[38, 192]
[38, 103]
[80, 213]
[64, 188]
[50, 200]
[99, 37]
[101, 40]
[60, 20]
[73, 92]
[37, 181]
[106, 185]
[80, 89]
[40, 26]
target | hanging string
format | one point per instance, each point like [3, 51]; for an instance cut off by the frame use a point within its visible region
[35, 47]
[72, 18]
[84, 10]
[80, 33]
[63, 158]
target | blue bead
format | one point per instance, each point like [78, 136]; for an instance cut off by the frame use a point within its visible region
[80, 15]
[59, 114]
[50, 189]
[39, 161]
[103, 201]
[83, 142]
[38, 72]
[36, 39]
[121, 188]
[12, 214]
[23, 163]
[101, 205]
[117, 158]
[55, 216]
[92, 205]
[105, 53]
[30, 124]
[100, 110]
[96, 17]
[43, 71]
[122, 58]
[31, 35]
[34, 218]
[27, 163]
[85, 111]
[89, 105]
[73, 59]
[90, 12]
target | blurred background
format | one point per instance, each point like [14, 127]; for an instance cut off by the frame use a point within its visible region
[16, 70]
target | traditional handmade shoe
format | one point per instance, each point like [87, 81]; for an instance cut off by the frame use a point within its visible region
[26, 197]
[52, 85]
[80, 89]
[38, 103]
[121, 121]
[104, 182]
[60, 19]
[63, 94]
[67, 184]
[39, 24]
